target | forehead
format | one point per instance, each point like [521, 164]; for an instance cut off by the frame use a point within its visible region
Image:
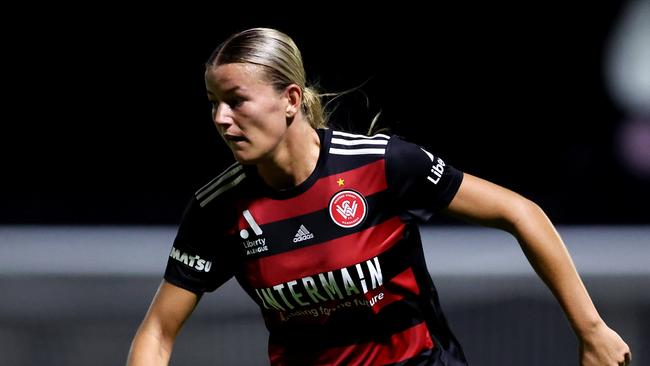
[234, 76]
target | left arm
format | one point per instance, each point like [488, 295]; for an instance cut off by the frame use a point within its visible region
[488, 204]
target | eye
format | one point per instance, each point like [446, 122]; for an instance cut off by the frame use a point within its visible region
[235, 102]
[232, 102]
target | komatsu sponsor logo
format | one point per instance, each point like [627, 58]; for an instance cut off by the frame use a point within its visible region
[193, 261]
[338, 284]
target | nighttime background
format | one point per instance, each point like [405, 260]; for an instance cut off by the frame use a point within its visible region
[106, 134]
[106, 119]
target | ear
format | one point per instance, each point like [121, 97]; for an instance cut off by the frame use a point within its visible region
[293, 95]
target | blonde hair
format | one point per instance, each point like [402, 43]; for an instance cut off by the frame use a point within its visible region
[281, 61]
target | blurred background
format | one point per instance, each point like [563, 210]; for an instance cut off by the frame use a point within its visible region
[106, 134]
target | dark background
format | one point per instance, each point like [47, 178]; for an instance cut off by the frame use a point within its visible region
[106, 119]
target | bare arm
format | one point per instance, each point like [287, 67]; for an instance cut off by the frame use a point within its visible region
[482, 202]
[153, 342]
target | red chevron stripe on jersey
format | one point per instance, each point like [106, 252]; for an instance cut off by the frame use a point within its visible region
[328, 256]
[401, 346]
[367, 180]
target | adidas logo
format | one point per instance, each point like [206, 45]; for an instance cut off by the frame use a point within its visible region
[302, 234]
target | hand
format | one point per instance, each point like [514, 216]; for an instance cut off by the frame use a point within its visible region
[604, 347]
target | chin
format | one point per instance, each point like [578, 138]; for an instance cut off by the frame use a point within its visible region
[246, 159]
[250, 156]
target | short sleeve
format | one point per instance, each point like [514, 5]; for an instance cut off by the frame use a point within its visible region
[421, 182]
[199, 260]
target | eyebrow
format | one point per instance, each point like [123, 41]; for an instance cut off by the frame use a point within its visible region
[234, 88]
[229, 91]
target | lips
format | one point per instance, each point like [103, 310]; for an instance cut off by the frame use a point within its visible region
[234, 138]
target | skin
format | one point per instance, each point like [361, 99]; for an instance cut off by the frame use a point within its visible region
[488, 204]
[269, 128]
[266, 127]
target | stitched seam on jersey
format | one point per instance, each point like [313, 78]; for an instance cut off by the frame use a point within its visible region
[389, 187]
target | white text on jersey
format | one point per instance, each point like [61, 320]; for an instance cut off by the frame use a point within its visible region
[193, 261]
[324, 286]
[436, 170]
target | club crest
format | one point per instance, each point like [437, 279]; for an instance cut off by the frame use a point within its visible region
[348, 208]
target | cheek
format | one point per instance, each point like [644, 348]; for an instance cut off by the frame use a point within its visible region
[272, 120]
[269, 133]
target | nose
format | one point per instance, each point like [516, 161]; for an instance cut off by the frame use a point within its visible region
[221, 114]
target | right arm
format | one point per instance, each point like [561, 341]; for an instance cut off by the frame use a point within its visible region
[154, 340]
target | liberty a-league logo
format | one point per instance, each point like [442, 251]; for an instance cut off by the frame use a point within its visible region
[348, 208]
[252, 246]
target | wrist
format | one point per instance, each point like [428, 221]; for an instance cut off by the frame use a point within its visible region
[588, 327]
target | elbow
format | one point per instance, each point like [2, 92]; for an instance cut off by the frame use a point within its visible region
[154, 339]
[521, 214]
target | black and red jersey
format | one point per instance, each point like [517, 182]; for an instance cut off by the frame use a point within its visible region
[336, 263]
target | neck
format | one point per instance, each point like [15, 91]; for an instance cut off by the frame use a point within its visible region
[294, 159]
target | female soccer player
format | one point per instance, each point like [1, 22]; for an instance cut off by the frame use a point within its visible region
[320, 228]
